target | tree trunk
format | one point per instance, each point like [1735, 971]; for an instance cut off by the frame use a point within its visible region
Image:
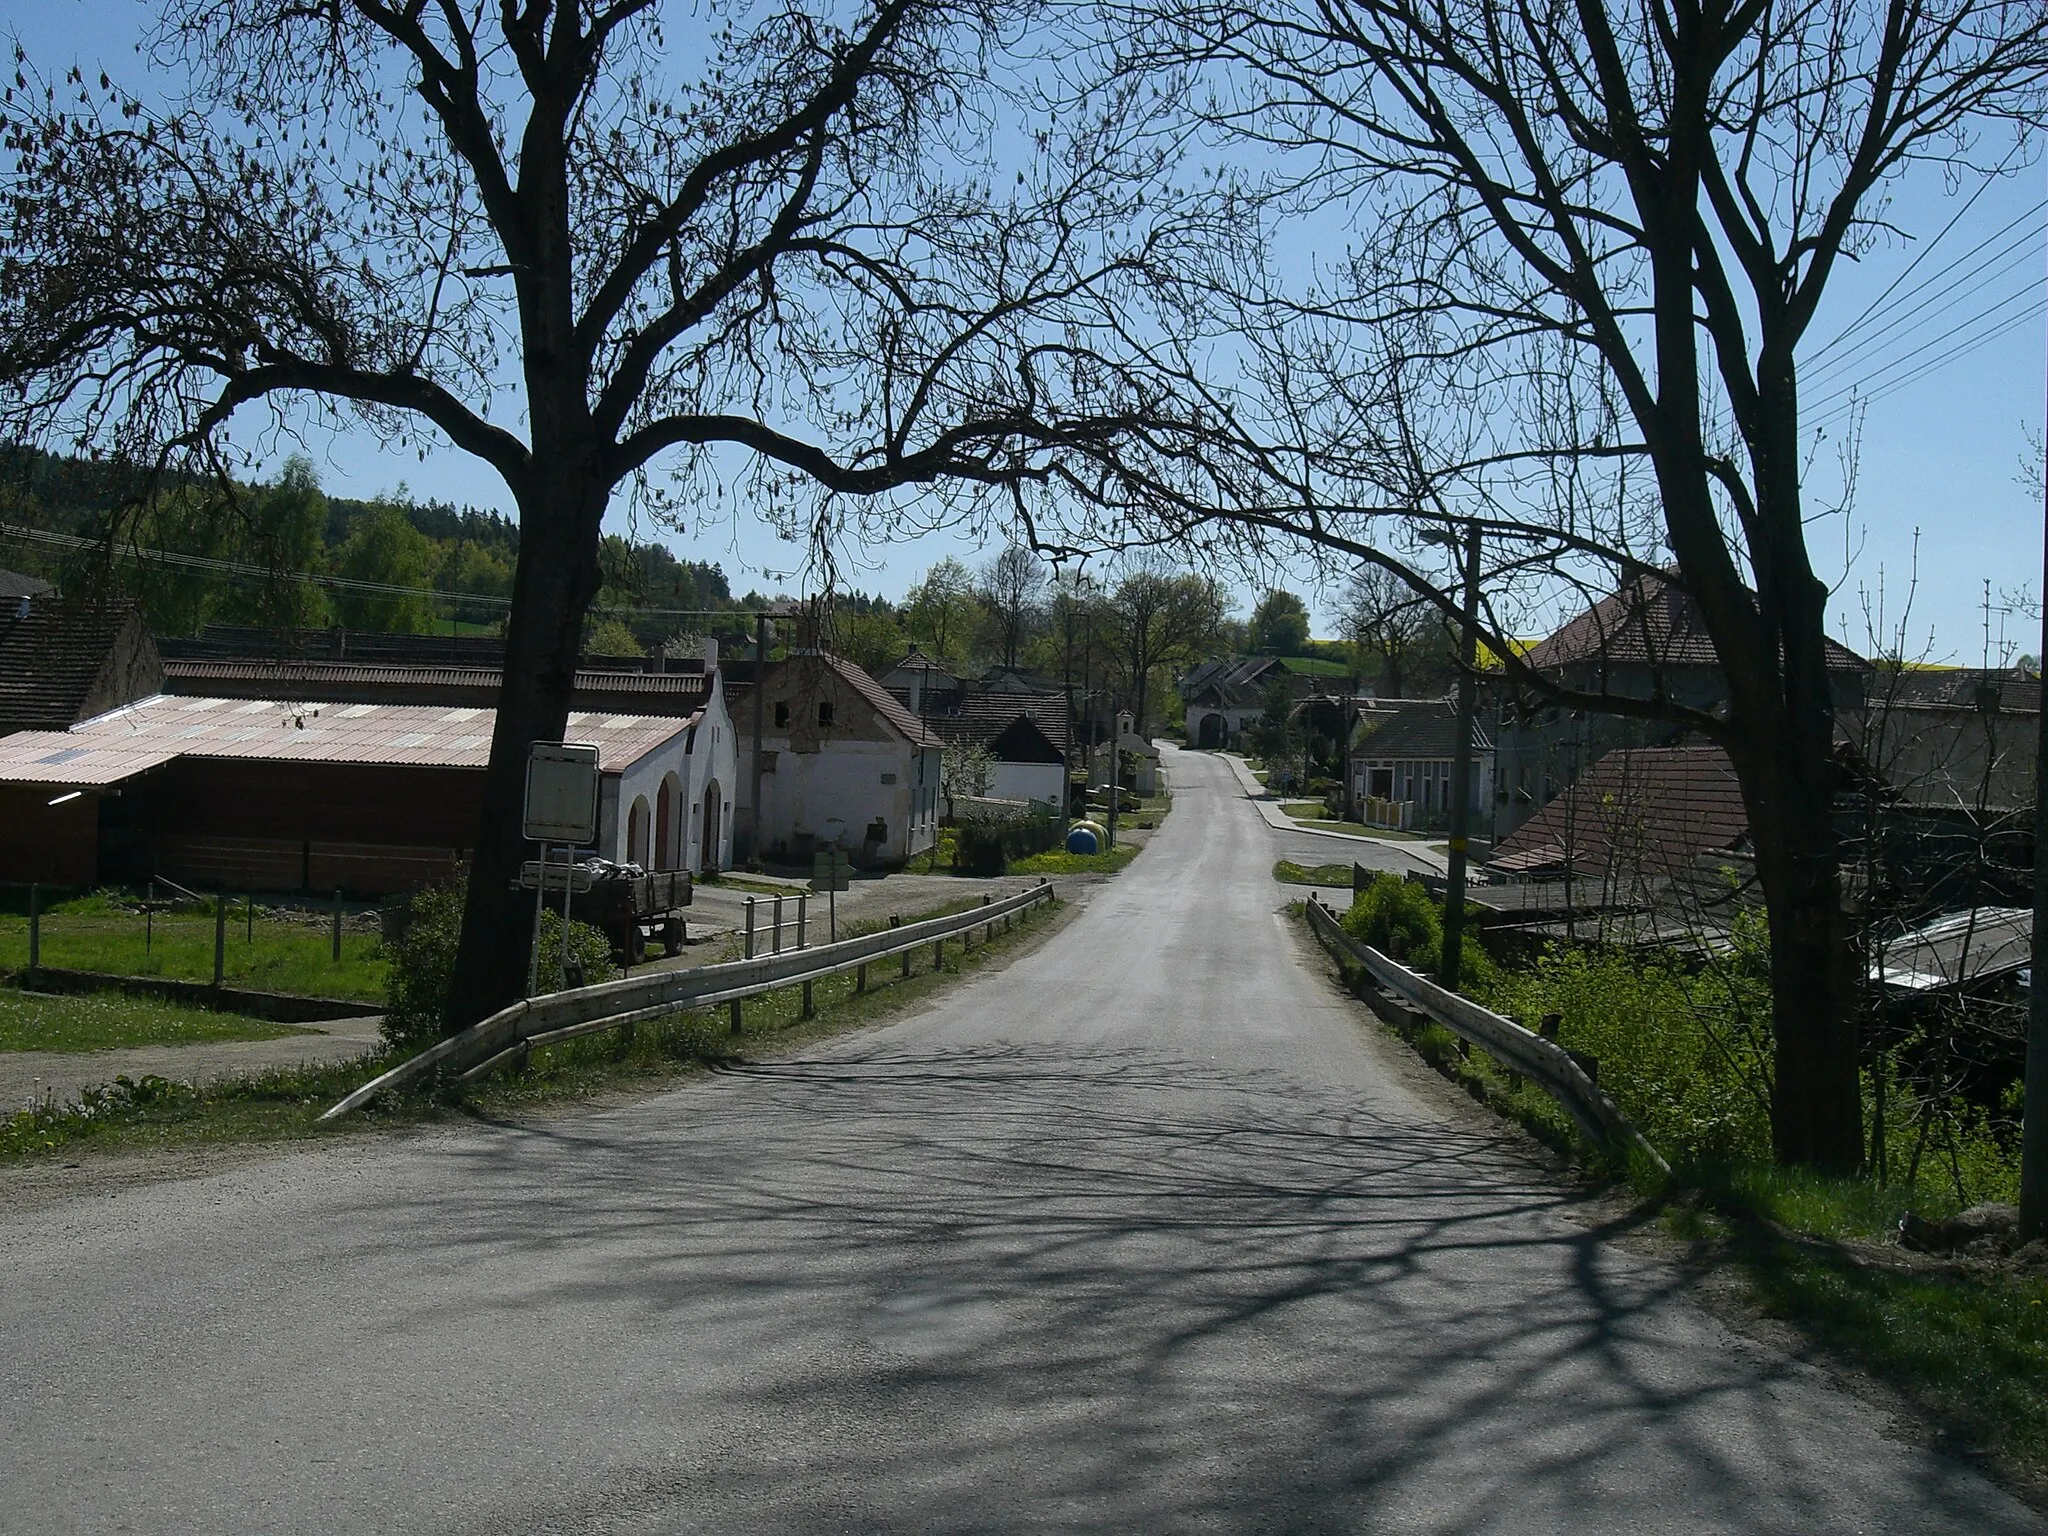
[556, 579]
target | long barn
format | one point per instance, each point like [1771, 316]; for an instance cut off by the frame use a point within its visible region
[366, 780]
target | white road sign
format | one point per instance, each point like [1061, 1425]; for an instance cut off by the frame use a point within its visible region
[561, 792]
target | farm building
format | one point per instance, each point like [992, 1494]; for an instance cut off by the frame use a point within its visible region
[283, 777]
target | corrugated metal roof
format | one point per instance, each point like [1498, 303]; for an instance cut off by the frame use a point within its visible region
[1978, 944]
[670, 693]
[145, 735]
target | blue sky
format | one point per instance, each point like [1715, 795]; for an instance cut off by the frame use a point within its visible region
[1945, 456]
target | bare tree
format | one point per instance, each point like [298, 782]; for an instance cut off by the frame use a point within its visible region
[1012, 585]
[1160, 619]
[539, 232]
[1383, 617]
[1599, 234]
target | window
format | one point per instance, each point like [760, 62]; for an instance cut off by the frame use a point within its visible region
[888, 778]
[768, 761]
[824, 711]
[781, 712]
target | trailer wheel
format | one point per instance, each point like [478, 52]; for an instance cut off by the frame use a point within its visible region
[673, 935]
[636, 947]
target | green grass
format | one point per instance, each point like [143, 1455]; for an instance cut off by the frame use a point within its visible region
[288, 953]
[1327, 876]
[1315, 810]
[1315, 666]
[286, 1105]
[1060, 862]
[34, 1021]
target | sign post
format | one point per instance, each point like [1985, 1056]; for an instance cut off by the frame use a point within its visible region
[561, 807]
[831, 873]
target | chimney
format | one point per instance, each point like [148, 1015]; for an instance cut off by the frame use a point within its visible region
[710, 654]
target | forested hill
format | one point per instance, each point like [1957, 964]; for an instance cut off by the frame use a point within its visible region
[201, 556]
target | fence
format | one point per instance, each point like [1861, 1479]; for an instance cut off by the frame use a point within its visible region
[559, 1016]
[1544, 1062]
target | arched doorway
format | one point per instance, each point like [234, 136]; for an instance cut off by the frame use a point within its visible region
[714, 807]
[664, 818]
[1210, 732]
[636, 832]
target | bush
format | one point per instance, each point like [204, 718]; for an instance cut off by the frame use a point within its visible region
[1399, 918]
[423, 963]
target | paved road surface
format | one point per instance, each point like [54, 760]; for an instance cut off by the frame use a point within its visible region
[1142, 1233]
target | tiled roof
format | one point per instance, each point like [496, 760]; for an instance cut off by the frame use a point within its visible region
[740, 681]
[1649, 622]
[52, 662]
[982, 717]
[14, 586]
[125, 742]
[1958, 687]
[1648, 808]
[1428, 732]
[667, 693]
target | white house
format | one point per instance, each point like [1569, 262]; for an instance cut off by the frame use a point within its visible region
[843, 764]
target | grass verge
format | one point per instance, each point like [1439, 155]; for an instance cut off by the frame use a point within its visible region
[36, 1021]
[1964, 1342]
[285, 1105]
[1287, 872]
[1060, 862]
[281, 951]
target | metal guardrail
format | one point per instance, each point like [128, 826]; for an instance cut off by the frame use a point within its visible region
[1546, 1063]
[559, 1016]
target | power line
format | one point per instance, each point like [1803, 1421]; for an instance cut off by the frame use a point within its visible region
[211, 565]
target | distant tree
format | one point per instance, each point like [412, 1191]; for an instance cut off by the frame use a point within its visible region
[941, 610]
[1279, 625]
[1385, 620]
[385, 549]
[1012, 585]
[610, 637]
[1157, 620]
[1275, 734]
[867, 633]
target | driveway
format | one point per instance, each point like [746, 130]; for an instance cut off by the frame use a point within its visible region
[1143, 1232]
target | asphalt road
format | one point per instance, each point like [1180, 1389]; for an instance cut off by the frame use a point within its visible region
[1143, 1232]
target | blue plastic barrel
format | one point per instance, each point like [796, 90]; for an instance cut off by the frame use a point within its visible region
[1082, 840]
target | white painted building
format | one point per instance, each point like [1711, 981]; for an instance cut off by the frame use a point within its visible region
[843, 764]
[673, 807]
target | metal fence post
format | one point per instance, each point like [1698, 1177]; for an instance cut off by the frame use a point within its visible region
[778, 927]
[249, 918]
[808, 1009]
[220, 937]
[337, 927]
[750, 926]
[803, 902]
[897, 922]
[735, 1015]
[35, 927]
[938, 954]
[860, 979]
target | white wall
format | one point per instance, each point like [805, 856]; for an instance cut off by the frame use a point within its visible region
[698, 756]
[1027, 781]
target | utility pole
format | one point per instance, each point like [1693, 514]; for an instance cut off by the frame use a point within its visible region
[1461, 767]
[2034, 1115]
[760, 729]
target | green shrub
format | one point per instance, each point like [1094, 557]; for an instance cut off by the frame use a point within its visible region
[1399, 918]
[423, 963]
[1685, 1055]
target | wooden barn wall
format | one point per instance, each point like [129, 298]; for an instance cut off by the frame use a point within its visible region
[366, 829]
[53, 844]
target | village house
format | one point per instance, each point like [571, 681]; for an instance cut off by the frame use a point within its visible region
[63, 660]
[1645, 641]
[841, 763]
[1400, 767]
[1223, 697]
